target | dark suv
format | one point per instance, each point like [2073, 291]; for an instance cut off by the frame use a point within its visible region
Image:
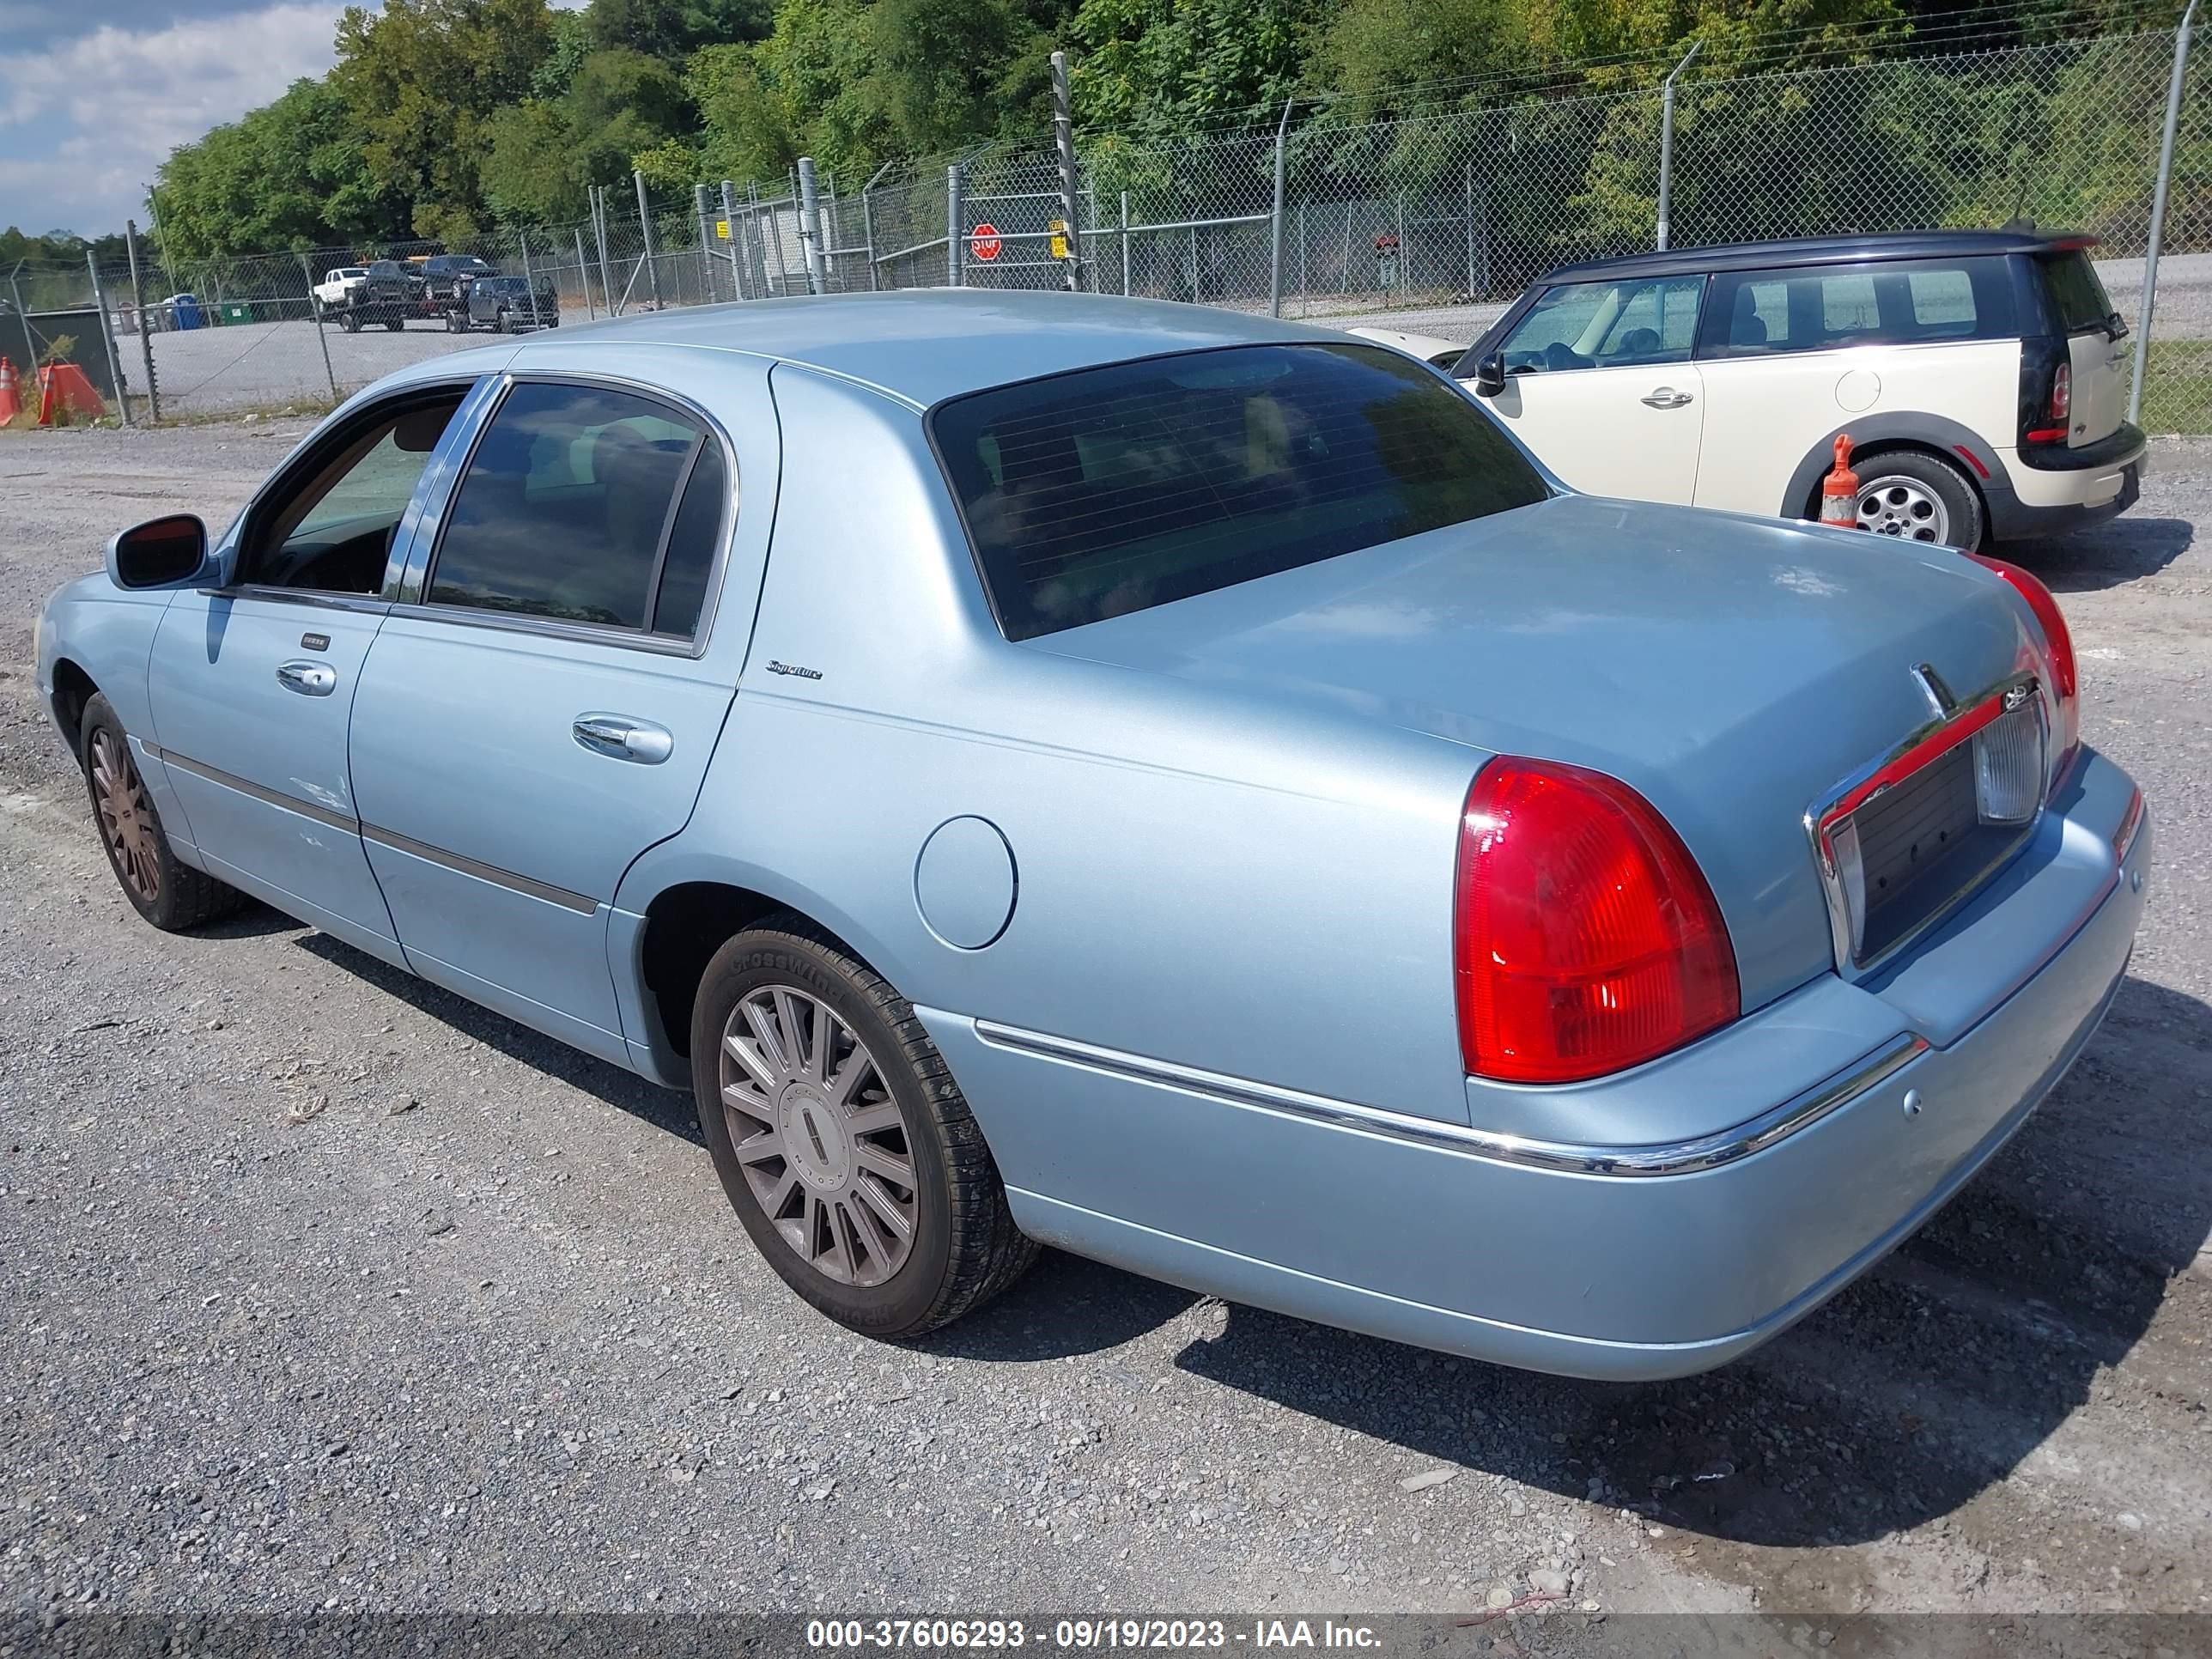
[508, 303]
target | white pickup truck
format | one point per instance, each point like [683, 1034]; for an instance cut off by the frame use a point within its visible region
[336, 291]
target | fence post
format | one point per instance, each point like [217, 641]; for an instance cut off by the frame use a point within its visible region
[1063, 138]
[810, 228]
[107, 336]
[530, 280]
[606, 268]
[584, 275]
[645, 230]
[2158, 210]
[1275, 220]
[315, 310]
[145, 332]
[1667, 142]
[1125, 244]
[709, 287]
[737, 239]
[868, 232]
[954, 241]
[23, 317]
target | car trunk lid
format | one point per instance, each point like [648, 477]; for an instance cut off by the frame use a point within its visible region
[2096, 354]
[1734, 670]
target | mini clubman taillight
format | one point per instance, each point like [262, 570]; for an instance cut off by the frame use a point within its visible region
[1587, 939]
[2056, 411]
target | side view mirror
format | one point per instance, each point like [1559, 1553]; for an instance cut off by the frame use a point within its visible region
[1489, 374]
[160, 553]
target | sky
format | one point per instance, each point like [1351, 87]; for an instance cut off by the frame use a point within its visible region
[93, 94]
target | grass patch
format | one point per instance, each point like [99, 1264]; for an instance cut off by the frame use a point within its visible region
[2178, 388]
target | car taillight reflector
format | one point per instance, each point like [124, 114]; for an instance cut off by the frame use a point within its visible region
[2058, 642]
[1587, 939]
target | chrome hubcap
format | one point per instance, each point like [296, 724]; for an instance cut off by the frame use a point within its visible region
[127, 818]
[821, 1142]
[1905, 507]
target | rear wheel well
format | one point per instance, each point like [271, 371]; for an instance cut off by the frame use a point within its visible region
[684, 926]
[1877, 447]
[73, 690]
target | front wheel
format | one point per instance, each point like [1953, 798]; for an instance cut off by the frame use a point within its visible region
[500, 325]
[841, 1140]
[350, 323]
[173, 896]
[395, 323]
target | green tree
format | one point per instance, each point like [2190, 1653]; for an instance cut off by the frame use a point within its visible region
[620, 105]
[423, 80]
[672, 30]
[1156, 65]
[291, 175]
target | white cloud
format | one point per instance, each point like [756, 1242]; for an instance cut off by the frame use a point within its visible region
[84, 122]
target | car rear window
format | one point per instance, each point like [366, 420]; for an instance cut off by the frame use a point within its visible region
[2077, 296]
[1109, 490]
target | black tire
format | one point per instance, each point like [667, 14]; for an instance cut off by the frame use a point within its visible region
[501, 324]
[966, 1248]
[350, 322]
[1964, 523]
[180, 897]
[395, 323]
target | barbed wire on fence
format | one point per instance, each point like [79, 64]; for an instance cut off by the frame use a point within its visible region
[1321, 212]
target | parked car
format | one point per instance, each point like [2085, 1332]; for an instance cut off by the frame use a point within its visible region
[1983, 376]
[1577, 934]
[386, 293]
[505, 304]
[336, 291]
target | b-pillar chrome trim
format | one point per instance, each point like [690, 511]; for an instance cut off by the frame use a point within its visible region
[1666, 1158]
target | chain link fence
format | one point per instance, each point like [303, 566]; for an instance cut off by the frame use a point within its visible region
[1435, 223]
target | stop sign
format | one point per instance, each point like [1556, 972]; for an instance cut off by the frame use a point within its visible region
[985, 241]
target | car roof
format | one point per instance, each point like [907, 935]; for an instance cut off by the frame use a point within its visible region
[923, 345]
[1823, 251]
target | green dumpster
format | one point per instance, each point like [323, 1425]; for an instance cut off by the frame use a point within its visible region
[233, 314]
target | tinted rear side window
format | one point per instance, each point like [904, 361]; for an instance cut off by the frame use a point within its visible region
[2077, 296]
[1828, 307]
[565, 507]
[1113, 489]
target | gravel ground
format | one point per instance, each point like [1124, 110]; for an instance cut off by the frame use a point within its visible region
[321, 1287]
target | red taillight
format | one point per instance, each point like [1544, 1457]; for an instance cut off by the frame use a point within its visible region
[1587, 937]
[2058, 643]
[2057, 410]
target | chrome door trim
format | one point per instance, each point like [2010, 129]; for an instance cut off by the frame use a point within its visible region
[370, 605]
[528, 886]
[1666, 1158]
[411, 598]
[306, 808]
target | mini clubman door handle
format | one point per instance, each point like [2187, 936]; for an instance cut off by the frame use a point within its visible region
[624, 738]
[309, 680]
[1666, 397]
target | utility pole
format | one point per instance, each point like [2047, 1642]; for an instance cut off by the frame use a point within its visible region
[145, 331]
[107, 337]
[1667, 143]
[1063, 137]
[645, 231]
[810, 228]
[2158, 209]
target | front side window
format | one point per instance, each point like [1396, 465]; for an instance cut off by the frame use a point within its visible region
[328, 528]
[569, 511]
[1108, 490]
[1631, 322]
[1829, 307]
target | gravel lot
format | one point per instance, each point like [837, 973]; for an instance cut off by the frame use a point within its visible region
[321, 1287]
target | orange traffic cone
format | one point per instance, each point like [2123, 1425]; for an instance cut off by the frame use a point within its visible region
[11, 400]
[1840, 490]
[64, 389]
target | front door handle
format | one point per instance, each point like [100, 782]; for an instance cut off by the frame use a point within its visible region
[623, 738]
[1666, 397]
[309, 680]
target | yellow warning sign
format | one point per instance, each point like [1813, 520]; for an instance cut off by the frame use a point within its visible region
[722, 230]
[1060, 239]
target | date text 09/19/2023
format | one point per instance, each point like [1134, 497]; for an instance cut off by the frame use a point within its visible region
[1108, 1634]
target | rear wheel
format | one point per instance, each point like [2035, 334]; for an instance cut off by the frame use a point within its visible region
[1917, 498]
[172, 896]
[841, 1141]
[350, 322]
[395, 323]
[501, 323]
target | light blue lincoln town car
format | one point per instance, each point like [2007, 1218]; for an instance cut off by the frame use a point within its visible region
[1178, 787]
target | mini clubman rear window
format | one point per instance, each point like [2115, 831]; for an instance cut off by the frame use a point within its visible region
[1108, 490]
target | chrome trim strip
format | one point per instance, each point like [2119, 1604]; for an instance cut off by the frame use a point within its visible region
[1666, 1158]
[528, 886]
[247, 787]
[2131, 824]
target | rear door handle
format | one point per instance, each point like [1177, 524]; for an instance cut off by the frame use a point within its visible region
[623, 738]
[1666, 397]
[309, 680]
